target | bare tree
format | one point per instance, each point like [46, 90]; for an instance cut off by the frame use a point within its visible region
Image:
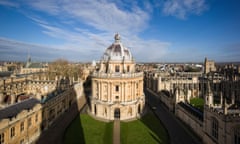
[64, 68]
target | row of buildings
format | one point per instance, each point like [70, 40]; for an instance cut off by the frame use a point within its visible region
[219, 86]
[31, 103]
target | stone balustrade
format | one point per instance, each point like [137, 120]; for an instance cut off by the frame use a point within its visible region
[117, 75]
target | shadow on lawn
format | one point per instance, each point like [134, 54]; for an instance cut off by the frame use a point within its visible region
[60, 108]
[153, 123]
[74, 134]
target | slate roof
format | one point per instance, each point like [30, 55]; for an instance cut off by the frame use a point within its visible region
[13, 110]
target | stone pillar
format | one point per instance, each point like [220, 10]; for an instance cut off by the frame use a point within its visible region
[111, 92]
[1, 98]
[93, 88]
[13, 98]
[221, 98]
[124, 91]
[131, 90]
[108, 91]
[100, 90]
[121, 92]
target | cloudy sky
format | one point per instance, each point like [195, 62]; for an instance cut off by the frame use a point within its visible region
[154, 30]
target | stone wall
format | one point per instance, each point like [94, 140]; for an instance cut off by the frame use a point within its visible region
[187, 116]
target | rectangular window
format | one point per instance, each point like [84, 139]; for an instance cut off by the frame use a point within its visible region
[12, 132]
[117, 88]
[36, 118]
[117, 68]
[215, 128]
[116, 97]
[29, 122]
[2, 138]
[128, 69]
[22, 126]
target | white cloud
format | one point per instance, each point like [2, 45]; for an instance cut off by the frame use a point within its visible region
[182, 8]
[102, 18]
[108, 17]
[8, 3]
[101, 15]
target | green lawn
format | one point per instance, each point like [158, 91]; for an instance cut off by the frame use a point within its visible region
[86, 130]
[148, 130]
[197, 102]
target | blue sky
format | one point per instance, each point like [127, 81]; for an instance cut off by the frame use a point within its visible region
[154, 30]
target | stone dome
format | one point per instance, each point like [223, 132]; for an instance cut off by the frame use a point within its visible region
[117, 52]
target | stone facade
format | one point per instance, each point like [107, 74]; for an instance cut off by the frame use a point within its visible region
[218, 123]
[44, 102]
[117, 89]
[21, 123]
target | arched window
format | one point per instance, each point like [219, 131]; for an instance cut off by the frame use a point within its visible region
[95, 109]
[237, 135]
[117, 113]
[105, 111]
[214, 127]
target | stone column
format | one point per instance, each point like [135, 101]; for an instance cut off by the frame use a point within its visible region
[124, 91]
[121, 92]
[131, 90]
[100, 90]
[110, 92]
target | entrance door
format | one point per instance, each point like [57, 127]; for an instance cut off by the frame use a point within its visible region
[117, 113]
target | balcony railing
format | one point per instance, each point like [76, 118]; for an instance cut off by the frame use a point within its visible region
[117, 75]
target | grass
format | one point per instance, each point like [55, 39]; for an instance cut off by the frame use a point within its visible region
[86, 130]
[197, 102]
[148, 130]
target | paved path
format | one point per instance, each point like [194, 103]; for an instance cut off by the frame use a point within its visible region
[116, 132]
[177, 132]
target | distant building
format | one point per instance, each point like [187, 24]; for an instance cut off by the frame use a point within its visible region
[31, 67]
[209, 66]
[3, 68]
[117, 89]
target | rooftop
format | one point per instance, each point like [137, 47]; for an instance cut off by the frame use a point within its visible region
[13, 110]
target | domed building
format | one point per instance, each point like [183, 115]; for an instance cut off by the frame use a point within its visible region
[117, 89]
